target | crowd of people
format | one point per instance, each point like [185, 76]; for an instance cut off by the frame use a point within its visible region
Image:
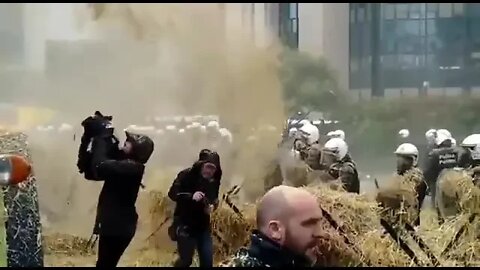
[283, 210]
[442, 154]
[287, 216]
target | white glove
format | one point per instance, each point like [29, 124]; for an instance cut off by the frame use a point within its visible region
[197, 196]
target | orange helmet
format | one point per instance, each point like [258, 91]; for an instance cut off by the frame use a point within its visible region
[14, 169]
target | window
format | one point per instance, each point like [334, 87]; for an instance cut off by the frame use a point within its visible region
[410, 45]
[475, 30]
[449, 60]
[368, 12]
[445, 10]
[354, 65]
[293, 15]
[415, 11]
[474, 9]
[389, 46]
[431, 27]
[389, 11]
[431, 60]
[402, 11]
[422, 27]
[423, 10]
[410, 27]
[420, 60]
[433, 45]
[293, 10]
[389, 37]
[390, 61]
[415, 36]
[449, 41]
[432, 9]
[360, 14]
[407, 36]
[458, 9]
[451, 30]
[366, 39]
[352, 15]
[366, 62]
[407, 61]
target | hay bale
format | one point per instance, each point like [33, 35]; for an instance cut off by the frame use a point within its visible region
[457, 193]
[399, 197]
[466, 252]
[361, 219]
[233, 229]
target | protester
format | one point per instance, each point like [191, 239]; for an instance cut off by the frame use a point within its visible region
[287, 230]
[195, 192]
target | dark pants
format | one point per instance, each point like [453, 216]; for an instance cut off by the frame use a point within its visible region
[186, 246]
[110, 249]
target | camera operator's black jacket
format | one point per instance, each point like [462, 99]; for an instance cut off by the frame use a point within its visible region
[188, 212]
[116, 212]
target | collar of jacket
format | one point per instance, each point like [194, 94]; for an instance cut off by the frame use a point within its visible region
[272, 254]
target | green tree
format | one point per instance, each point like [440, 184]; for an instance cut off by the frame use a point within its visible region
[309, 82]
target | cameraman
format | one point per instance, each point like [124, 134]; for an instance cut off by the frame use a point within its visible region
[122, 171]
[196, 193]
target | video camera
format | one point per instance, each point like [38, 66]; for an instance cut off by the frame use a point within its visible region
[96, 126]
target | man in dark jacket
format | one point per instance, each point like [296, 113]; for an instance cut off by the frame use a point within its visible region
[287, 232]
[195, 192]
[116, 212]
[203, 155]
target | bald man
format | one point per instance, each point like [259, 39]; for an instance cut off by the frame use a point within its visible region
[288, 229]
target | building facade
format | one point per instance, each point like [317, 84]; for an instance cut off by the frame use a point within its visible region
[394, 49]
[421, 48]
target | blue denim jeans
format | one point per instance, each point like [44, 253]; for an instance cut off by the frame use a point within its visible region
[186, 245]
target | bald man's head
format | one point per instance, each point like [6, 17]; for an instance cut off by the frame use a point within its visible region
[290, 217]
[276, 204]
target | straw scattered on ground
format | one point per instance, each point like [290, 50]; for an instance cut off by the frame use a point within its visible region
[358, 215]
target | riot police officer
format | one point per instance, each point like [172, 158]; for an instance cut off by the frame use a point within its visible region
[442, 156]
[341, 166]
[469, 156]
[407, 158]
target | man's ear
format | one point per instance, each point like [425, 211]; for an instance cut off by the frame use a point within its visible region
[276, 230]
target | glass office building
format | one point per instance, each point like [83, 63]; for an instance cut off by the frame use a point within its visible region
[403, 45]
[288, 24]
